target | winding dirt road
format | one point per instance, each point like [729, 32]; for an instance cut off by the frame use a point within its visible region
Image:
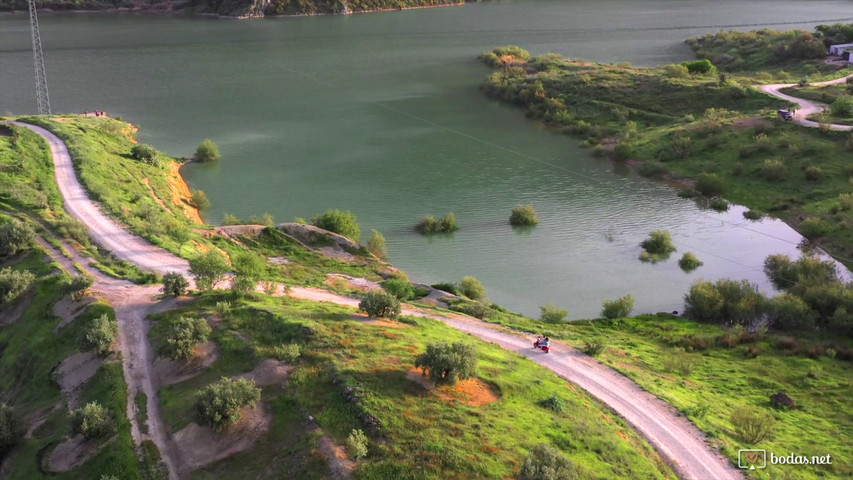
[806, 108]
[676, 439]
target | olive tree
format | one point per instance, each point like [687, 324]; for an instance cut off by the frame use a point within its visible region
[13, 283]
[91, 420]
[218, 405]
[208, 269]
[100, 334]
[380, 304]
[184, 334]
[447, 364]
[15, 236]
[174, 284]
[545, 462]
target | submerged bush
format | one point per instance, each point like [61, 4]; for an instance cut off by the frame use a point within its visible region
[339, 221]
[523, 215]
[619, 308]
[207, 152]
[657, 247]
[376, 245]
[689, 262]
[447, 364]
[429, 225]
[199, 200]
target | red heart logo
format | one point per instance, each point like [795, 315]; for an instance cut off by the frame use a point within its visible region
[752, 457]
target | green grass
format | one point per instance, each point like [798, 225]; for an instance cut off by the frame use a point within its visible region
[422, 436]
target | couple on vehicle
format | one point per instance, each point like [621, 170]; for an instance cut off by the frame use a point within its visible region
[542, 341]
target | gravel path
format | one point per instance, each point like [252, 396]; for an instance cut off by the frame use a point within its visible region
[677, 440]
[806, 108]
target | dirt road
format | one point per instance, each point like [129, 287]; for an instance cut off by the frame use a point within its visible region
[677, 440]
[806, 108]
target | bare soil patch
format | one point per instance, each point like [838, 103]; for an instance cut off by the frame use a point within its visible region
[751, 122]
[339, 463]
[73, 452]
[471, 391]
[181, 192]
[269, 372]
[73, 372]
[355, 283]
[199, 446]
[68, 310]
[168, 371]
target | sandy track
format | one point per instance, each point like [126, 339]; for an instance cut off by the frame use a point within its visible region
[677, 440]
[806, 108]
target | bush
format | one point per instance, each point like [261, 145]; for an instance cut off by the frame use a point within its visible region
[679, 361]
[523, 215]
[473, 289]
[249, 267]
[446, 363]
[753, 215]
[752, 424]
[619, 308]
[100, 334]
[339, 221]
[652, 169]
[207, 152]
[675, 70]
[77, 285]
[208, 269]
[199, 200]
[473, 309]
[689, 262]
[554, 403]
[700, 67]
[184, 334]
[789, 312]
[174, 284]
[91, 420]
[288, 353]
[9, 433]
[13, 283]
[709, 184]
[357, 443]
[218, 405]
[429, 225]
[15, 237]
[400, 288]
[814, 174]
[726, 301]
[376, 245]
[774, 170]
[657, 247]
[145, 153]
[814, 227]
[545, 462]
[842, 106]
[553, 314]
[380, 304]
[593, 348]
[845, 201]
[446, 287]
[719, 204]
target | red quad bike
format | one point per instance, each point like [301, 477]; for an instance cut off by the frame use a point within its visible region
[543, 347]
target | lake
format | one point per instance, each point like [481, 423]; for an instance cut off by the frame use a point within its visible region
[381, 114]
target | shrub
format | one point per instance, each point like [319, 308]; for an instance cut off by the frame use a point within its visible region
[100, 333]
[753, 215]
[814, 174]
[700, 67]
[218, 405]
[249, 267]
[208, 269]
[77, 285]
[446, 287]
[709, 184]
[473, 289]
[675, 71]
[474, 309]
[15, 237]
[339, 221]
[446, 363]
[789, 312]
[726, 301]
[545, 462]
[207, 152]
[814, 227]
[845, 201]
[652, 169]
[619, 308]
[357, 443]
[689, 262]
[842, 106]
[376, 245]
[13, 283]
[184, 334]
[400, 288]
[223, 308]
[682, 146]
[554, 403]
[752, 424]
[288, 353]
[199, 199]
[523, 215]
[774, 170]
[429, 225]
[719, 204]
[229, 219]
[679, 361]
[553, 314]
[91, 420]
[593, 348]
[380, 304]
[9, 433]
[174, 284]
[144, 153]
[657, 247]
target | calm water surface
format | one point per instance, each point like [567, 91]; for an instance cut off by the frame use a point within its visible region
[380, 114]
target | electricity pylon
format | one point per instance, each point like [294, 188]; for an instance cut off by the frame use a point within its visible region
[38, 60]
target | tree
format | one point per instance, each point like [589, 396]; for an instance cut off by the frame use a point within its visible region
[218, 405]
[545, 462]
[91, 420]
[9, 433]
[208, 269]
[376, 245]
[789, 312]
[380, 304]
[553, 314]
[619, 308]
[401, 288]
[207, 152]
[726, 301]
[446, 363]
[13, 283]
[523, 215]
[199, 199]
[15, 236]
[473, 289]
[174, 284]
[77, 285]
[339, 221]
[144, 153]
[249, 267]
[100, 334]
[184, 334]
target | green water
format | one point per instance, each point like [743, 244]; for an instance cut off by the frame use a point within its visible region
[380, 114]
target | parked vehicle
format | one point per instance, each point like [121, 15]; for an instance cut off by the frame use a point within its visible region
[786, 115]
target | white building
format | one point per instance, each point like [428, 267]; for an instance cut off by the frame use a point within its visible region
[840, 49]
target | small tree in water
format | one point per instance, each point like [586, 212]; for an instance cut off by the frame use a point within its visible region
[207, 152]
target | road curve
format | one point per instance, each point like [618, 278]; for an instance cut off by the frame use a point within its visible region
[806, 108]
[676, 439]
